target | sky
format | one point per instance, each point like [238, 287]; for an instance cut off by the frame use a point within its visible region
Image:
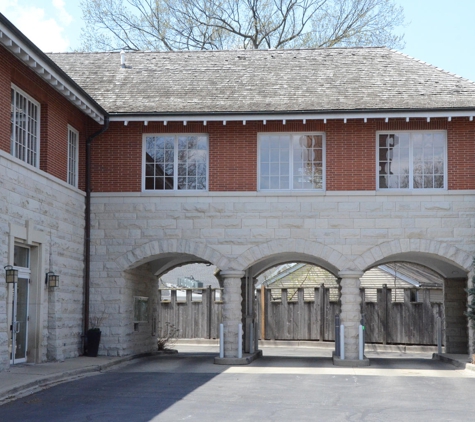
[438, 32]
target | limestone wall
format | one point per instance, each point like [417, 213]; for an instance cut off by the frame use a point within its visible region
[348, 230]
[113, 298]
[46, 214]
[350, 223]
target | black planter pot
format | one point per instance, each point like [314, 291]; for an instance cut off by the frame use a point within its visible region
[93, 338]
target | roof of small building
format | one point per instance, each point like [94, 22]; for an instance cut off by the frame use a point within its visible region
[397, 274]
[200, 272]
[265, 81]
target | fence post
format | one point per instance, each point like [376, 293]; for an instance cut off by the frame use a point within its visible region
[221, 340]
[439, 335]
[239, 341]
[385, 313]
[361, 343]
[342, 342]
[209, 300]
[337, 335]
[321, 299]
[262, 316]
[363, 324]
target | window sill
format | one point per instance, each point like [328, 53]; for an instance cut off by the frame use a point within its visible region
[293, 194]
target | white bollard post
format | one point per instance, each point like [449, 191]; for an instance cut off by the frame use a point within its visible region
[361, 343]
[251, 337]
[221, 341]
[342, 342]
[239, 341]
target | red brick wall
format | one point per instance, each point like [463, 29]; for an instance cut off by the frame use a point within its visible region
[350, 152]
[56, 114]
[461, 154]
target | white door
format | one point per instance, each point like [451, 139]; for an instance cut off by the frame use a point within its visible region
[19, 306]
[19, 325]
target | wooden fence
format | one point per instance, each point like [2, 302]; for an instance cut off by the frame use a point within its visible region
[386, 322]
[193, 318]
[404, 322]
[299, 319]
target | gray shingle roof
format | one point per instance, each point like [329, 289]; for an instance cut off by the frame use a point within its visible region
[267, 81]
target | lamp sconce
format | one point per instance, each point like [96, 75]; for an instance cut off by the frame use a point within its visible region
[11, 275]
[52, 280]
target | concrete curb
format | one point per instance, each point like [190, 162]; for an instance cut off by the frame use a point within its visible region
[349, 363]
[455, 362]
[401, 348]
[47, 381]
[245, 360]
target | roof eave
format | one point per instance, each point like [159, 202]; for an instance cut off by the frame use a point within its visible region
[29, 54]
[265, 116]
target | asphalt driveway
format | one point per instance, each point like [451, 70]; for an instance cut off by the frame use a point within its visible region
[285, 385]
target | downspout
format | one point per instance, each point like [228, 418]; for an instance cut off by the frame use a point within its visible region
[87, 227]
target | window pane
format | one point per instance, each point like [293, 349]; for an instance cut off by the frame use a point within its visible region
[274, 182]
[291, 161]
[24, 127]
[192, 150]
[72, 156]
[428, 155]
[306, 151]
[264, 183]
[430, 162]
[155, 157]
[21, 257]
[438, 182]
[186, 155]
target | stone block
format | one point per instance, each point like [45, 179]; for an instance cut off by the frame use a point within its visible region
[254, 223]
[227, 223]
[262, 233]
[337, 223]
[374, 233]
[291, 223]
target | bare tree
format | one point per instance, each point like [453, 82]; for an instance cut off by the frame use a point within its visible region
[247, 24]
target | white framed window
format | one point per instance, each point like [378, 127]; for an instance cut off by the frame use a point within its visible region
[412, 160]
[73, 148]
[25, 127]
[175, 162]
[141, 309]
[291, 161]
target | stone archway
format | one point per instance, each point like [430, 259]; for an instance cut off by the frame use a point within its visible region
[266, 255]
[149, 251]
[451, 263]
[323, 255]
[455, 258]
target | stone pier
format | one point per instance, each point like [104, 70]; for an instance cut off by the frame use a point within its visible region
[351, 314]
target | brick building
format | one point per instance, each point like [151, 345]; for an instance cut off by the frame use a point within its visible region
[342, 158]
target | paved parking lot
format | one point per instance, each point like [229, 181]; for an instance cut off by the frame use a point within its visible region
[287, 384]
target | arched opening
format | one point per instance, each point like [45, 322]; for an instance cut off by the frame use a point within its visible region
[129, 295]
[290, 296]
[190, 302]
[411, 290]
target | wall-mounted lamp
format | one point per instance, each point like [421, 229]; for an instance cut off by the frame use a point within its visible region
[11, 275]
[52, 280]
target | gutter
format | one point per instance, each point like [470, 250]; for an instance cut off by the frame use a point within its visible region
[87, 227]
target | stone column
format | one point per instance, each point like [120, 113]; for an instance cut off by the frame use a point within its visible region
[232, 312]
[350, 310]
[457, 336]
